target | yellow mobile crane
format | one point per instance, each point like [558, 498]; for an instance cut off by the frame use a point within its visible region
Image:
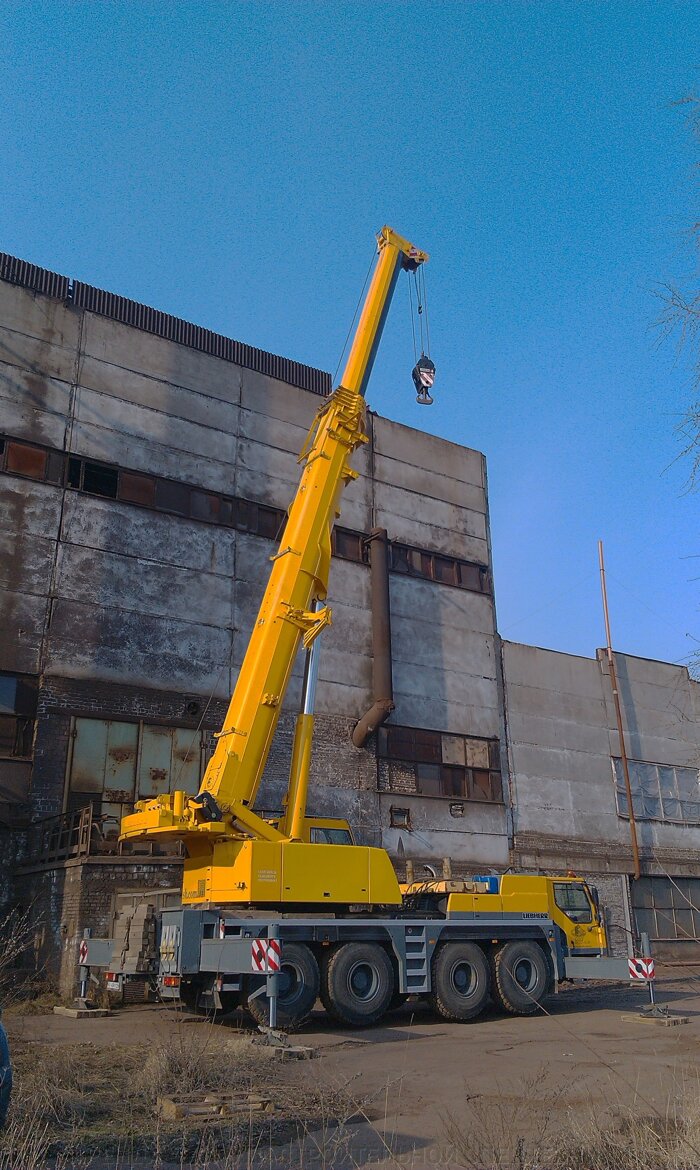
[263, 896]
[232, 854]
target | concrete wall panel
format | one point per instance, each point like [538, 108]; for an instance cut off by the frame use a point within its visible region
[133, 350]
[108, 525]
[140, 649]
[418, 449]
[139, 389]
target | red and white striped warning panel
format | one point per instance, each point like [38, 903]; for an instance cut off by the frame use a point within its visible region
[641, 969]
[265, 955]
[83, 952]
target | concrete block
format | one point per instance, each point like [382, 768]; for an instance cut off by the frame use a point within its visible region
[38, 316]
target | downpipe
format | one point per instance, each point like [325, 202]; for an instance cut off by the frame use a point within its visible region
[382, 682]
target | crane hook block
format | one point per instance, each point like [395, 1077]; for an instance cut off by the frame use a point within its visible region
[423, 379]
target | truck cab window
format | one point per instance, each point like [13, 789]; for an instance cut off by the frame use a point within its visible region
[327, 836]
[571, 897]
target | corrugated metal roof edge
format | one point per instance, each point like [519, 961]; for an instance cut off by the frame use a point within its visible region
[95, 300]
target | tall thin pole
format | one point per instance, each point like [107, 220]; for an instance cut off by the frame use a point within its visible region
[618, 714]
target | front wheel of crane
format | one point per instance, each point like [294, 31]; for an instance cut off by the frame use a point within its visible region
[358, 984]
[461, 981]
[522, 976]
[299, 983]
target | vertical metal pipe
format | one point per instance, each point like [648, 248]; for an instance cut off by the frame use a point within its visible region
[382, 681]
[618, 715]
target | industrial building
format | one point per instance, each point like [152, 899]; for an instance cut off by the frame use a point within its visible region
[146, 465]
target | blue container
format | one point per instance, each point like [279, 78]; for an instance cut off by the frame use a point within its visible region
[493, 881]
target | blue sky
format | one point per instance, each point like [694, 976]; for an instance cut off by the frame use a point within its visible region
[229, 163]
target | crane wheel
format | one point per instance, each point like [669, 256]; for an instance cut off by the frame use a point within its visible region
[522, 976]
[461, 981]
[357, 985]
[299, 984]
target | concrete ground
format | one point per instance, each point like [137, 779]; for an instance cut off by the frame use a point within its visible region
[417, 1076]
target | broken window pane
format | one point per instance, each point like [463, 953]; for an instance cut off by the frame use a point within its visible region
[399, 558]
[270, 522]
[687, 781]
[347, 544]
[75, 472]
[99, 480]
[454, 781]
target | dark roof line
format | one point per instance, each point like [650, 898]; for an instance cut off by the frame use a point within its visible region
[106, 304]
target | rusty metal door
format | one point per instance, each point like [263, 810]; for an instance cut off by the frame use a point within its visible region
[170, 758]
[114, 763]
[103, 766]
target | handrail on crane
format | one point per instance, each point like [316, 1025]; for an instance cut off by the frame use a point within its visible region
[292, 609]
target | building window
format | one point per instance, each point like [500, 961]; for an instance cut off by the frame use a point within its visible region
[97, 479]
[438, 567]
[24, 459]
[18, 701]
[667, 909]
[350, 546]
[433, 763]
[172, 496]
[137, 489]
[660, 792]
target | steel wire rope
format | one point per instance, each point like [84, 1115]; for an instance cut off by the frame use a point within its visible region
[354, 316]
[425, 306]
[413, 323]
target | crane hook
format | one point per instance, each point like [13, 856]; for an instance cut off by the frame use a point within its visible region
[423, 379]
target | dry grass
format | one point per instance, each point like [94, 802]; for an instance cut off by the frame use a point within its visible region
[534, 1124]
[635, 1138]
[510, 1130]
[76, 1102]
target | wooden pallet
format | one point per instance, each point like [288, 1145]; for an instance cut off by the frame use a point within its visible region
[212, 1105]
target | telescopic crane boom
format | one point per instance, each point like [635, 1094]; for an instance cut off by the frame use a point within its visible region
[233, 854]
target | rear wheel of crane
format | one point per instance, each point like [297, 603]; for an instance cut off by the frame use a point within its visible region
[461, 981]
[358, 982]
[299, 984]
[522, 976]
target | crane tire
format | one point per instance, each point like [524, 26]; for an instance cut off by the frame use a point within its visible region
[522, 976]
[358, 983]
[298, 991]
[461, 981]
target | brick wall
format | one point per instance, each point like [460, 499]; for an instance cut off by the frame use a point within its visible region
[67, 898]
